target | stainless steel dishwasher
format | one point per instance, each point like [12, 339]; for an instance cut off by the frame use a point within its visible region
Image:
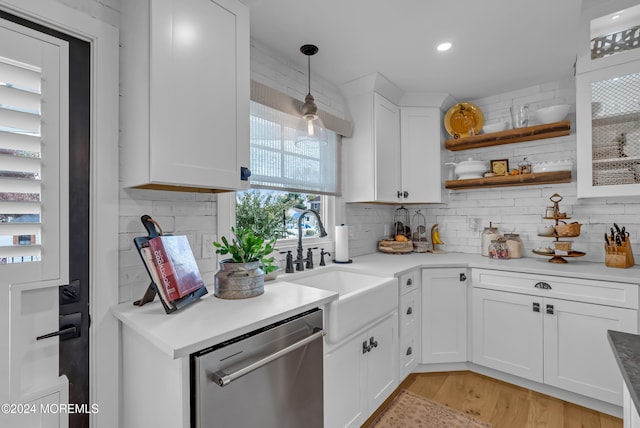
[269, 378]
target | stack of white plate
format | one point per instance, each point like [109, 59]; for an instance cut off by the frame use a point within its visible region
[549, 166]
[607, 177]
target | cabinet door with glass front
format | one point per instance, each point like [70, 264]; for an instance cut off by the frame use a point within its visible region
[608, 119]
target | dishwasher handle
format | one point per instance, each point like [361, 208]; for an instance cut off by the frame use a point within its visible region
[223, 378]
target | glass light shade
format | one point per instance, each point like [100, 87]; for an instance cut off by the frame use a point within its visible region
[310, 129]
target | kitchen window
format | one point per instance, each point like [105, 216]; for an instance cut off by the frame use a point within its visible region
[287, 178]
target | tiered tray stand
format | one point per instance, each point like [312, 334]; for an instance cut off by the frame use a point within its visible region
[558, 258]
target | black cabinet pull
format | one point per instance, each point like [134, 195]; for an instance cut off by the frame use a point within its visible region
[536, 307]
[409, 350]
[409, 281]
[403, 194]
[463, 277]
[365, 347]
[550, 309]
[373, 343]
[543, 285]
[409, 310]
[245, 173]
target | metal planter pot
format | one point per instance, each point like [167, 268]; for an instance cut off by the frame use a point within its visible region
[239, 280]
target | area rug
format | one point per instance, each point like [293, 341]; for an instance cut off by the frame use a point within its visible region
[409, 410]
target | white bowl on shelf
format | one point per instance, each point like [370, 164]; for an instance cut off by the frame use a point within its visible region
[552, 114]
[469, 169]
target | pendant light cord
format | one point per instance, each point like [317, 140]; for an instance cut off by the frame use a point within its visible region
[309, 73]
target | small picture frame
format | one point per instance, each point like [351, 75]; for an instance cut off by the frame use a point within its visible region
[500, 166]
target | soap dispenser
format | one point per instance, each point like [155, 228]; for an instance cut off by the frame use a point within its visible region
[289, 265]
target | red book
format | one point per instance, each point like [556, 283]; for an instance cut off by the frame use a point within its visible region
[177, 269]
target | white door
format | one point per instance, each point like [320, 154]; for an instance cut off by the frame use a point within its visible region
[577, 353]
[33, 222]
[387, 138]
[444, 316]
[344, 375]
[420, 146]
[382, 366]
[507, 332]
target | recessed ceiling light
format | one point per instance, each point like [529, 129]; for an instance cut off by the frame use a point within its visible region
[444, 46]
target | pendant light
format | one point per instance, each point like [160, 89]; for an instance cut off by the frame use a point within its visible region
[310, 128]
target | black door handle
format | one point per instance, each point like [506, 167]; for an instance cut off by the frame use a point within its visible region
[550, 309]
[536, 307]
[64, 331]
[69, 327]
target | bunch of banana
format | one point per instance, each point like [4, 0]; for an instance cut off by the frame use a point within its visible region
[435, 235]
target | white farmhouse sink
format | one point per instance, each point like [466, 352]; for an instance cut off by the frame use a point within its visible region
[362, 299]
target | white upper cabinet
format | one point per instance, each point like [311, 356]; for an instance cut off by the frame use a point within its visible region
[394, 153]
[373, 168]
[185, 94]
[420, 137]
[607, 111]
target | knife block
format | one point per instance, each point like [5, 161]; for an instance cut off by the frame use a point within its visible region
[619, 256]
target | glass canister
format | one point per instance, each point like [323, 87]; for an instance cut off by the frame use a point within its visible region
[498, 249]
[514, 243]
[488, 234]
[524, 166]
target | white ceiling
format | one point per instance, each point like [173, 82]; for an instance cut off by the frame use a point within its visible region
[498, 45]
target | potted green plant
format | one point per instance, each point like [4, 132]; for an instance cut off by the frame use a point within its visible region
[242, 275]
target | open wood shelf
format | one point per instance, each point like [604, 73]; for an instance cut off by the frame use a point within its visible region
[510, 180]
[538, 132]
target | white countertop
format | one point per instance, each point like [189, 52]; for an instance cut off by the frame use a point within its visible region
[394, 264]
[212, 320]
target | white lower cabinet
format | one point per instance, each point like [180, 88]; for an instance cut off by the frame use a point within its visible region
[409, 319]
[630, 414]
[558, 342]
[444, 315]
[507, 333]
[360, 374]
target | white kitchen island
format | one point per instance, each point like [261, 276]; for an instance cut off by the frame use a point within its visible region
[156, 346]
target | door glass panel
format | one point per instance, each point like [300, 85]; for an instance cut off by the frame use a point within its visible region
[615, 118]
[20, 162]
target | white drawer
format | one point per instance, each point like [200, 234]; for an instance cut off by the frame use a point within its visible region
[583, 290]
[409, 310]
[409, 281]
[409, 355]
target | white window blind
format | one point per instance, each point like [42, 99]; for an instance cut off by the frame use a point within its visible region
[278, 163]
[20, 162]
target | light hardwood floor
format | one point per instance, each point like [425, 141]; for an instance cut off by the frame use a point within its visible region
[502, 404]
